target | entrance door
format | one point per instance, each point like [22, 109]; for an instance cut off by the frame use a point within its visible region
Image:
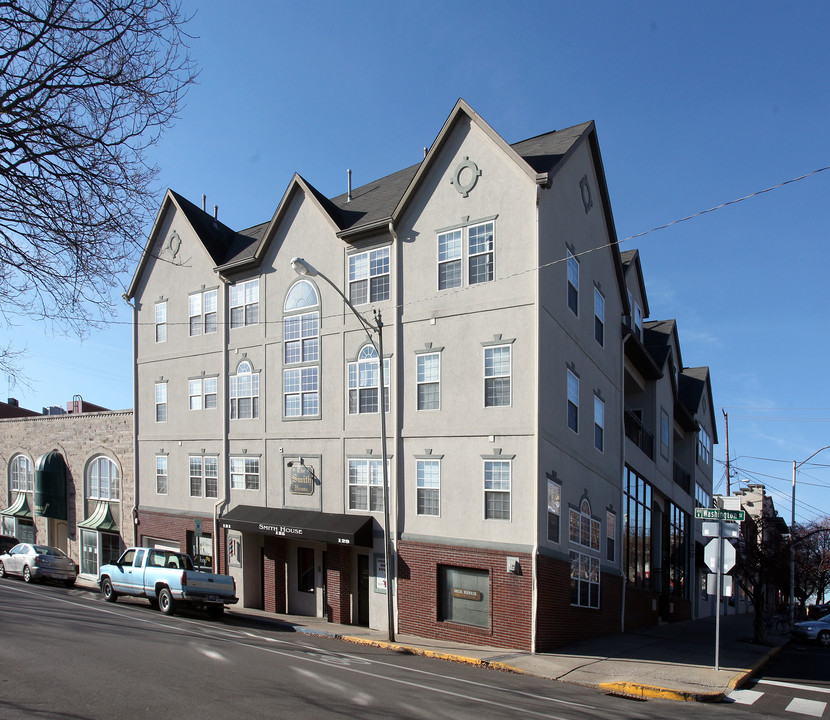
[58, 535]
[363, 590]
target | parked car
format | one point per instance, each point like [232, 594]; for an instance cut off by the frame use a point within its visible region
[7, 542]
[818, 630]
[817, 611]
[38, 562]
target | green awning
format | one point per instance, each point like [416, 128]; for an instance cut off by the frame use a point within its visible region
[19, 508]
[50, 486]
[101, 519]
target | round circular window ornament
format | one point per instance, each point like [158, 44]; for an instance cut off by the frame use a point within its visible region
[175, 243]
[465, 176]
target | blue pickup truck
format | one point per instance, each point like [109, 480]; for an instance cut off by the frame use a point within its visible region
[167, 579]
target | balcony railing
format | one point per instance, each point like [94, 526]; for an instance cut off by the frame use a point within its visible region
[682, 478]
[638, 434]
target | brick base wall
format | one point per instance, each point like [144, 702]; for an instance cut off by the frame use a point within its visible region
[338, 585]
[274, 575]
[510, 594]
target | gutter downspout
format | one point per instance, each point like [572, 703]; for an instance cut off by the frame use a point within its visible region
[534, 590]
[225, 427]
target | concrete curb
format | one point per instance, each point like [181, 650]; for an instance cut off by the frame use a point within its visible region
[742, 678]
[652, 692]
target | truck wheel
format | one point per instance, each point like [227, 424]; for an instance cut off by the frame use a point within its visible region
[27, 574]
[107, 590]
[166, 602]
[215, 612]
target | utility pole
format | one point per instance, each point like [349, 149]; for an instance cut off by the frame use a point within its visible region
[728, 470]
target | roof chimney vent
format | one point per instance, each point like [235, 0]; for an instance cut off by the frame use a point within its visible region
[348, 185]
[204, 201]
[426, 150]
[215, 212]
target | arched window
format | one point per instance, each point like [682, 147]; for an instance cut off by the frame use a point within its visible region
[21, 474]
[363, 382]
[103, 480]
[244, 392]
[301, 354]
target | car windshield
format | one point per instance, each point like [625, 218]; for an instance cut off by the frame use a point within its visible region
[44, 550]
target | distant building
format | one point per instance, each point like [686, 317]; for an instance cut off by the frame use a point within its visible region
[12, 409]
[546, 444]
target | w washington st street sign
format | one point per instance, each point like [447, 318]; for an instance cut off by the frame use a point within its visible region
[715, 514]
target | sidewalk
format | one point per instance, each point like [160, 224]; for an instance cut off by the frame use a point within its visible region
[673, 661]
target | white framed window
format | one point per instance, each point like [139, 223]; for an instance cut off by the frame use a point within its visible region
[665, 433]
[599, 317]
[573, 283]
[21, 474]
[103, 480]
[573, 401]
[554, 510]
[204, 476]
[202, 393]
[161, 474]
[244, 302]
[301, 340]
[610, 536]
[584, 580]
[244, 473]
[363, 382]
[497, 475]
[428, 476]
[365, 490]
[369, 276]
[161, 402]
[599, 423]
[244, 392]
[428, 380]
[480, 255]
[704, 447]
[497, 376]
[638, 321]
[202, 311]
[583, 529]
[161, 322]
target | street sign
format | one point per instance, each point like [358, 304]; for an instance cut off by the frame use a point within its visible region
[721, 529]
[715, 514]
[712, 584]
[197, 527]
[712, 554]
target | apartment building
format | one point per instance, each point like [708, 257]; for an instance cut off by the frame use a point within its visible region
[521, 382]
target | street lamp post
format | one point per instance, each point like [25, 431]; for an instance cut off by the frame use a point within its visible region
[301, 267]
[792, 537]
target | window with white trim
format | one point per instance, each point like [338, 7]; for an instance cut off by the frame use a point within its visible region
[21, 474]
[161, 475]
[365, 489]
[103, 480]
[204, 476]
[573, 401]
[428, 487]
[202, 310]
[202, 393]
[301, 354]
[497, 375]
[244, 303]
[584, 531]
[244, 392]
[599, 423]
[480, 254]
[638, 321]
[665, 433]
[161, 322]
[599, 317]
[369, 276]
[497, 489]
[244, 473]
[363, 377]
[573, 283]
[704, 447]
[610, 536]
[554, 510]
[161, 402]
[428, 380]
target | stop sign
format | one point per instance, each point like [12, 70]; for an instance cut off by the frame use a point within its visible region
[711, 553]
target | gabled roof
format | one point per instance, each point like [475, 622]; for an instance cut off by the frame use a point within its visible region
[631, 262]
[694, 383]
[658, 336]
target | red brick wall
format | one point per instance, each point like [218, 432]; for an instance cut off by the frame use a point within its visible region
[510, 594]
[274, 575]
[338, 584]
[642, 608]
[558, 622]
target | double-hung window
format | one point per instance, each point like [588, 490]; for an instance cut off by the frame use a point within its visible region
[429, 381]
[599, 423]
[161, 402]
[244, 392]
[497, 489]
[497, 375]
[204, 476]
[161, 322]
[554, 509]
[369, 276]
[244, 302]
[365, 489]
[202, 393]
[429, 487]
[363, 382]
[599, 317]
[244, 473]
[573, 401]
[584, 531]
[573, 283]
[202, 310]
[301, 354]
[161, 474]
[477, 243]
[103, 480]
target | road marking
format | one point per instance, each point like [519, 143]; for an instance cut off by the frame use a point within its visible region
[807, 707]
[794, 686]
[744, 697]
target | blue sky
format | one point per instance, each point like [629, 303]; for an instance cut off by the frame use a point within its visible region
[696, 105]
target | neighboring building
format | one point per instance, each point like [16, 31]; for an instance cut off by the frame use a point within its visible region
[12, 409]
[67, 481]
[521, 388]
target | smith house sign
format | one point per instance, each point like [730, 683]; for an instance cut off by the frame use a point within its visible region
[302, 480]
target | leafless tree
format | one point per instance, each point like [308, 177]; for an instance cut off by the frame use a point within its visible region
[86, 89]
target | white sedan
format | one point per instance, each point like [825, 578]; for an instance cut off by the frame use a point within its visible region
[38, 562]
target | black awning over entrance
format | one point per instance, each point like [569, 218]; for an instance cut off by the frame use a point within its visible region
[301, 525]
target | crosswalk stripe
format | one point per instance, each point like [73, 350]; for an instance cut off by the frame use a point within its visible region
[807, 707]
[745, 697]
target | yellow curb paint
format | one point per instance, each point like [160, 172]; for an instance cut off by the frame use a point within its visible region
[657, 693]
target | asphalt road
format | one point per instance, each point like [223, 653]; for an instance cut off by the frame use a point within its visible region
[67, 654]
